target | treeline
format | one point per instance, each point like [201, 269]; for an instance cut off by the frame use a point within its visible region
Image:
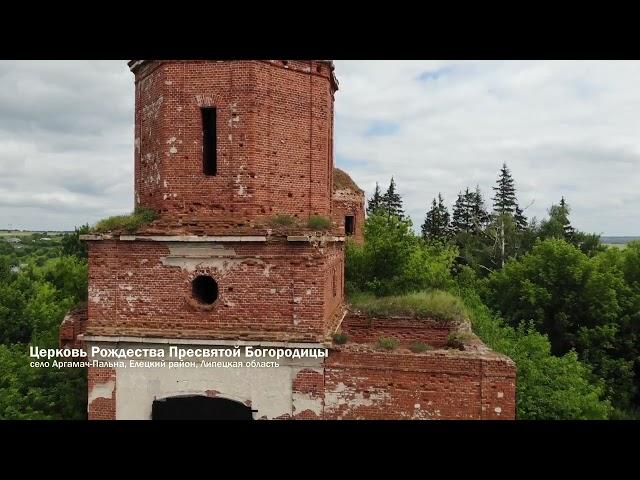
[39, 283]
[564, 306]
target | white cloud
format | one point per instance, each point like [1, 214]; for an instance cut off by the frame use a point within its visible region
[564, 128]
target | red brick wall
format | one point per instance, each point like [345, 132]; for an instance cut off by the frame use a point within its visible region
[348, 202]
[309, 385]
[334, 283]
[274, 127]
[276, 290]
[73, 324]
[362, 329]
[101, 408]
[434, 385]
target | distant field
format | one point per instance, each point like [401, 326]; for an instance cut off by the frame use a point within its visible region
[7, 233]
[617, 240]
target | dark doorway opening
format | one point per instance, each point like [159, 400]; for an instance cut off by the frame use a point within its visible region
[349, 225]
[199, 408]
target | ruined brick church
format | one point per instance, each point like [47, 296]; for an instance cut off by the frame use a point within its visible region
[247, 249]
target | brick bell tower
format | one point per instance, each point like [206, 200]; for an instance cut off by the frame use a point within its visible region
[235, 157]
[247, 250]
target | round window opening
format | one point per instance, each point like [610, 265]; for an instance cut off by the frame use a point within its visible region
[205, 289]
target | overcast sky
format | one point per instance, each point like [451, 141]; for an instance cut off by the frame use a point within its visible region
[563, 128]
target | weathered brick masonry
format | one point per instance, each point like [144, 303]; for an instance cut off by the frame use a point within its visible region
[216, 269]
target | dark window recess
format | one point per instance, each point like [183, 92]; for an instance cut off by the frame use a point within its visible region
[209, 147]
[349, 225]
[204, 289]
[334, 282]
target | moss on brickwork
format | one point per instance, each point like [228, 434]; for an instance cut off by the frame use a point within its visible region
[342, 181]
[128, 223]
[458, 340]
[419, 347]
[340, 338]
[434, 304]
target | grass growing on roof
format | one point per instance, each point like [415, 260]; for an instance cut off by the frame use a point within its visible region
[388, 343]
[283, 221]
[435, 304]
[130, 223]
[319, 222]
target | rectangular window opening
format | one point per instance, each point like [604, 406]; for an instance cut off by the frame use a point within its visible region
[209, 147]
[349, 225]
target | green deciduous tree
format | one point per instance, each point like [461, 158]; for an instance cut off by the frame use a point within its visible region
[549, 387]
[72, 245]
[394, 260]
[580, 302]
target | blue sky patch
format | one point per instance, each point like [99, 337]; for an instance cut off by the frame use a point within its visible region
[381, 128]
[433, 75]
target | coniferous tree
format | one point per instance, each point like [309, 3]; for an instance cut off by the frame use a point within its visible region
[375, 202]
[461, 220]
[436, 224]
[558, 224]
[507, 212]
[505, 193]
[569, 231]
[392, 201]
[479, 215]
[520, 219]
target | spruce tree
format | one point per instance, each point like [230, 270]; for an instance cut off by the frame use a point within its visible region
[461, 220]
[436, 224]
[392, 201]
[375, 202]
[569, 231]
[558, 224]
[479, 215]
[505, 193]
[520, 219]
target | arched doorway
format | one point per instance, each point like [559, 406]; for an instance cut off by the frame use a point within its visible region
[198, 407]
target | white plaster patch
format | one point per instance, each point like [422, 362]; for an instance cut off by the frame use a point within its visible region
[500, 394]
[498, 410]
[95, 295]
[304, 401]
[207, 255]
[101, 390]
[268, 389]
[343, 395]
[267, 269]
